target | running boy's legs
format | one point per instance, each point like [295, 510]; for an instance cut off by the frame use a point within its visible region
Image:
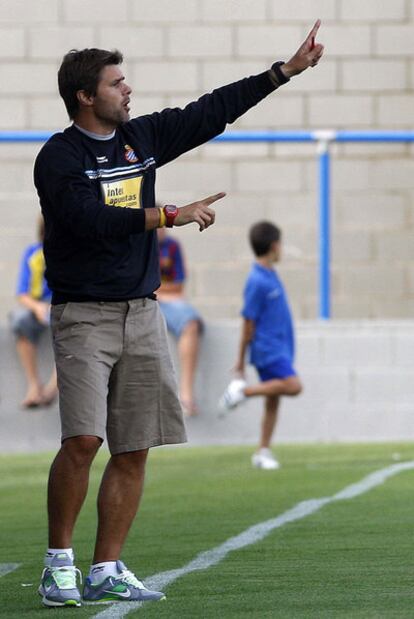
[277, 380]
[269, 419]
[289, 386]
[263, 458]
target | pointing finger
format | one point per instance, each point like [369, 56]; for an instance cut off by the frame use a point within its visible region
[310, 39]
[214, 198]
[314, 31]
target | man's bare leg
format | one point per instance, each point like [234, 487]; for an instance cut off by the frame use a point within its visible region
[50, 390]
[118, 501]
[68, 485]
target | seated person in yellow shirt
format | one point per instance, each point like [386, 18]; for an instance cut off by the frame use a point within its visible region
[30, 320]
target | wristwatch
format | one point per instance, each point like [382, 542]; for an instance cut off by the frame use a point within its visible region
[170, 212]
[281, 78]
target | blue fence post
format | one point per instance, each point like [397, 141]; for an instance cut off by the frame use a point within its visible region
[324, 237]
[324, 138]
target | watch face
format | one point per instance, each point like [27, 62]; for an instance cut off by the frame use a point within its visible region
[171, 212]
[170, 209]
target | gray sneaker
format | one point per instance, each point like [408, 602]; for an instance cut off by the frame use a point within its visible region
[124, 587]
[58, 584]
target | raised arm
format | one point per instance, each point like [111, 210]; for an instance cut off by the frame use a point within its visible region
[176, 131]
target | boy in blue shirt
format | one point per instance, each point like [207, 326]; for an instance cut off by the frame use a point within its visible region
[267, 332]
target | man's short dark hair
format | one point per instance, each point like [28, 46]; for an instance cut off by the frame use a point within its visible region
[81, 70]
[262, 235]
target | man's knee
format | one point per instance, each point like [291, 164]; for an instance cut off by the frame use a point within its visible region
[131, 459]
[82, 449]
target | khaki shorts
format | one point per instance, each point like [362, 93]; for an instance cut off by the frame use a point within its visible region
[115, 374]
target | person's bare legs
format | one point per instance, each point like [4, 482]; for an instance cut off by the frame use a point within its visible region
[28, 358]
[68, 485]
[118, 501]
[50, 390]
[188, 347]
[289, 386]
[269, 419]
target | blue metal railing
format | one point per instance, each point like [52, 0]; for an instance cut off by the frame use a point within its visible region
[322, 138]
[324, 231]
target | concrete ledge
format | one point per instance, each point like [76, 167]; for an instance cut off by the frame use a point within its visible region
[24, 430]
[358, 376]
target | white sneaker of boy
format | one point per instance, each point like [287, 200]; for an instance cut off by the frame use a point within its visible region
[264, 459]
[233, 395]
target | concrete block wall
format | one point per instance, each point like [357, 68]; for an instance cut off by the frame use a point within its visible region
[358, 386]
[177, 51]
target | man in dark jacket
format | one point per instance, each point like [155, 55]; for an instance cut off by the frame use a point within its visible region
[96, 183]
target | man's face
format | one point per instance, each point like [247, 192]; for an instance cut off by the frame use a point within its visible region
[111, 102]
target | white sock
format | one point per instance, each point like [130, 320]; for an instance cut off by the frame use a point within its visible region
[100, 571]
[51, 552]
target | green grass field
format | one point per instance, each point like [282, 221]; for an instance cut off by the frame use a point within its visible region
[351, 558]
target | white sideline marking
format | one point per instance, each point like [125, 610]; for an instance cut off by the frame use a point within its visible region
[255, 534]
[6, 568]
